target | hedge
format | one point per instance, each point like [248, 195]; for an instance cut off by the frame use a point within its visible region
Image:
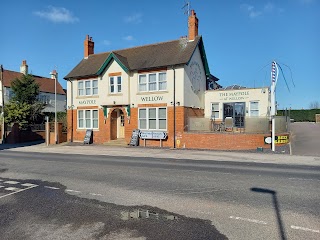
[303, 115]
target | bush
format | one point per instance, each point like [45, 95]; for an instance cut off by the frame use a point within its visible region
[303, 115]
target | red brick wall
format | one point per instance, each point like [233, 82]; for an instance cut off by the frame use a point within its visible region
[219, 141]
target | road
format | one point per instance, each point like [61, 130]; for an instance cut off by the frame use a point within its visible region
[241, 200]
[305, 138]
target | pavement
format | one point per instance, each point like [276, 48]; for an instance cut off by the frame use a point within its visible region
[175, 154]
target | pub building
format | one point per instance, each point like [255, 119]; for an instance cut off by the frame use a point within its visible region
[142, 88]
[237, 103]
[155, 88]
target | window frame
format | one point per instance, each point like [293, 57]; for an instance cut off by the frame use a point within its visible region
[115, 85]
[254, 109]
[157, 119]
[84, 119]
[157, 83]
[82, 91]
[216, 111]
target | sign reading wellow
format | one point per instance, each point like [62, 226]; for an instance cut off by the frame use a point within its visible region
[152, 99]
[152, 135]
[234, 96]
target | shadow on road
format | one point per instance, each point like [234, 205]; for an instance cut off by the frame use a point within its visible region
[17, 145]
[276, 208]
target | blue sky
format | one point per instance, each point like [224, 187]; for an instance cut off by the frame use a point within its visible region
[241, 38]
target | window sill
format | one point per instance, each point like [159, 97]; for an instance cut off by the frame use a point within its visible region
[115, 94]
[153, 92]
[89, 96]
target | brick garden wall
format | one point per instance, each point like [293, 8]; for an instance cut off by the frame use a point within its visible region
[219, 141]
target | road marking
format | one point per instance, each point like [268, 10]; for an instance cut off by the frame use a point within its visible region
[182, 193]
[248, 220]
[304, 179]
[54, 188]
[28, 184]
[189, 189]
[12, 189]
[11, 182]
[305, 229]
[95, 194]
[17, 191]
[70, 190]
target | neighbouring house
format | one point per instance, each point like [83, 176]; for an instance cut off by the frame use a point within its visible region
[46, 87]
[154, 88]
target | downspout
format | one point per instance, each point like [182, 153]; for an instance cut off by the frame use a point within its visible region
[174, 107]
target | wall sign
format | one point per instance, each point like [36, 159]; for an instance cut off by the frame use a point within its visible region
[152, 135]
[152, 99]
[278, 139]
[234, 96]
[85, 102]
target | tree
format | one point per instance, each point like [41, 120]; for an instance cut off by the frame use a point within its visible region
[314, 105]
[24, 107]
[16, 112]
[26, 89]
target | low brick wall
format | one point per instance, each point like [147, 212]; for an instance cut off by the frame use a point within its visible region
[214, 141]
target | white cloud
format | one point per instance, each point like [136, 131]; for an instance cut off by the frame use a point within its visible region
[57, 15]
[106, 42]
[135, 18]
[268, 8]
[128, 38]
[251, 10]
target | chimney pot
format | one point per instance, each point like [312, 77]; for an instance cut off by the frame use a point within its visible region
[24, 67]
[193, 25]
[88, 46]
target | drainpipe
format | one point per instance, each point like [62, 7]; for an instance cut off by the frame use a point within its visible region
[174, 107]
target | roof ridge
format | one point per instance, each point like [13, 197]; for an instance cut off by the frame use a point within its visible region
[123, 49]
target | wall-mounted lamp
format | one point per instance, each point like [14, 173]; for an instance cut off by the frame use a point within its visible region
[178, 103]
[114, 102]
[132, 104]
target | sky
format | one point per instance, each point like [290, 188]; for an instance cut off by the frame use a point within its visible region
[241, 38]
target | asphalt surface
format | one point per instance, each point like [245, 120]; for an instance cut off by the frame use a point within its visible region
[305, 138]
[245, 196]
[46, 211]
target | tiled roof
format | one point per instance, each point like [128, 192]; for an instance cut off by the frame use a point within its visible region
[45, 84]
[137, 58]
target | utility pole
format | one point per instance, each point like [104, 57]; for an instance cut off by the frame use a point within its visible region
[274, 79]
[54, 75]
[2, 100]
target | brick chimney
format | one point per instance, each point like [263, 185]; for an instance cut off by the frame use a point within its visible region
[24, 67]
[193, 25]
[88, 46]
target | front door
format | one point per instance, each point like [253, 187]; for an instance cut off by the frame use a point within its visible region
[120, 124]
[236, 111]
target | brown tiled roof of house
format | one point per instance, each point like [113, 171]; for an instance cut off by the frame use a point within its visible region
[45, 84]
[138, 58]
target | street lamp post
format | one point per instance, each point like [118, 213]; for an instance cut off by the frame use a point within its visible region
[54, 75]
